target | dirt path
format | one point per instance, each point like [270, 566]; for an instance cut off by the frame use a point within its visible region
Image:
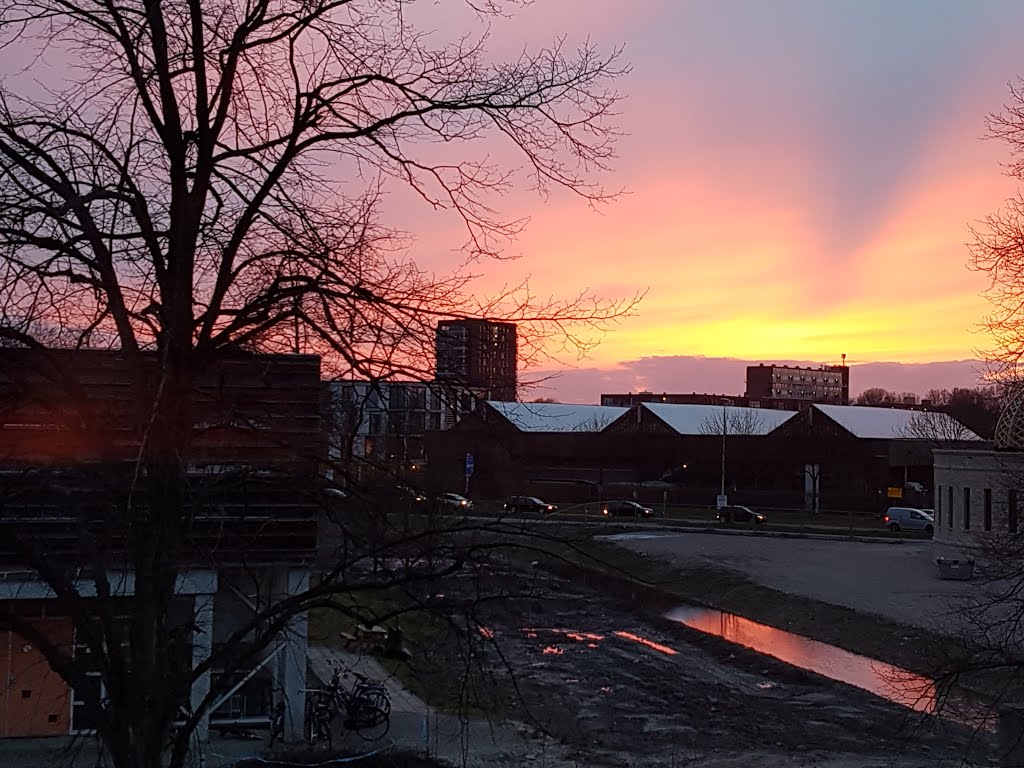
[618, 687]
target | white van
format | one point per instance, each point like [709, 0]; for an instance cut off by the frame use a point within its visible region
[909, 519]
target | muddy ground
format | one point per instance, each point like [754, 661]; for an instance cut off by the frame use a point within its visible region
[619, 685]
[903, 645]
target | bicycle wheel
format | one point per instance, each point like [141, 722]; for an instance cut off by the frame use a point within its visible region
[372, 717]
[319, 714]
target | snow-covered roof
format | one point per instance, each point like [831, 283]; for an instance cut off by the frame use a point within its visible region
[557, 417]
[707, 419]
[896, 423]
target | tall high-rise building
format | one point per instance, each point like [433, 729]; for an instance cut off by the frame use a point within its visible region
[478, 354]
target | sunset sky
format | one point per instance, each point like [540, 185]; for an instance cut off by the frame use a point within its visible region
[800, 179]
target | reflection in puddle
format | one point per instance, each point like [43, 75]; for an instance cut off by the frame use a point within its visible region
[553, 650]
[589, 638]
[881, 679]
[649, 643]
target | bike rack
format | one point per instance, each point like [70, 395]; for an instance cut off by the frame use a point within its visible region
[231, 692]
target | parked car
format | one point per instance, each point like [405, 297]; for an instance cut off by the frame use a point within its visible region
[515, 504]
[908, 519]
[410, 494]
[630, 508]
[453, 501]
[737, 514]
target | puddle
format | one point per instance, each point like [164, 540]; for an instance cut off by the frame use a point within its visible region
[647, 643]
[589, 638]
[885, 680]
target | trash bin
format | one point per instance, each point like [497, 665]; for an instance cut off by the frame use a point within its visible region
[958, 570]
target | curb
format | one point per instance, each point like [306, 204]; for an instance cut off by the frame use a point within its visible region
[786, 534]
[683, 527]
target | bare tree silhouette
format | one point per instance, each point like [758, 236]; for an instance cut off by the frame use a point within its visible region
[936, 427]
[206, 180]
[737, 421]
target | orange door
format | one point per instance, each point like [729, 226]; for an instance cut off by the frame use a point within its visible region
[35, 700]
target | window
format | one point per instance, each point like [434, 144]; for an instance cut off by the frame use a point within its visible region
[938, 505]
[967, 509]
[988, 510]
[1011, 511]
[949, 507]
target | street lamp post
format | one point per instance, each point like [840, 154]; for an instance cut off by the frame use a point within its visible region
[725, 431]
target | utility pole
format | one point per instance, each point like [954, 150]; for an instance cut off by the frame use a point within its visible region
[725, 431]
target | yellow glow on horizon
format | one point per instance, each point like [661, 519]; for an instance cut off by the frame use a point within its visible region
[757, 285]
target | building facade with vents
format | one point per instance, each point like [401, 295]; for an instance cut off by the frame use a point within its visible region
[479, 355]
[979, 493]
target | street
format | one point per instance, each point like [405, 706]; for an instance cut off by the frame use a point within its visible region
[898, 581]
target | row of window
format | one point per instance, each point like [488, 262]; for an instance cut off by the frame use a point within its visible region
[826, 392]
[814, 379]
[946, 499]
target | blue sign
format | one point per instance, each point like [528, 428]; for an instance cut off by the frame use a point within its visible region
[470, 464]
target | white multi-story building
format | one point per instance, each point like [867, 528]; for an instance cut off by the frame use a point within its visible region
[386, 420]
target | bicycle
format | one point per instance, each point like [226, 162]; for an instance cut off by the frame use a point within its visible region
[366, 708]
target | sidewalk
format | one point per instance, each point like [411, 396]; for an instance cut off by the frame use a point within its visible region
[415, 727]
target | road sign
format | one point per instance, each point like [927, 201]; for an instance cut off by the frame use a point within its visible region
[894, 493]
[722, 501]
[470, 464]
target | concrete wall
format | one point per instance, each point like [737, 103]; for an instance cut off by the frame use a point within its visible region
[968, 525]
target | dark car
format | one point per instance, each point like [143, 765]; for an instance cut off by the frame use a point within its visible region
[737, 514]
[629, 508]
[515, 504]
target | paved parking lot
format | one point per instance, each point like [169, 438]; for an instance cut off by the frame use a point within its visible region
[898, 581]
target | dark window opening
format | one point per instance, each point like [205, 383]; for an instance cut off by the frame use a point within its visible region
[988, 509]
[1011, 511]
[967, 509]
[949, 505]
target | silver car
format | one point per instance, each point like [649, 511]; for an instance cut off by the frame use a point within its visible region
[454, 501]
[909, 519]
